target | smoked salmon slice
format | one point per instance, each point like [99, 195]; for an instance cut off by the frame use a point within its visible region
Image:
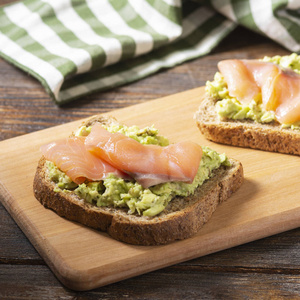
[71, 156]
[279, 89]
[147, 164]
[287, 94]
[265, 75]
[239, 79]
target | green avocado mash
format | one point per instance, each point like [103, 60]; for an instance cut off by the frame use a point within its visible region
[116, 192]
[230, 107]
[147, 135]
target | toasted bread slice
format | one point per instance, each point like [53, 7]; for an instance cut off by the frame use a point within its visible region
[245, 133]
[182, 218]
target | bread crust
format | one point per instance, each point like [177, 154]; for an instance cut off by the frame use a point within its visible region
[245, 133]
[182, 218]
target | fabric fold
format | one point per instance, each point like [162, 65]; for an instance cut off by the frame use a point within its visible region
[78, 47]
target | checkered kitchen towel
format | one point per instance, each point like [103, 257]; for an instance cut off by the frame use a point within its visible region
[76, 47]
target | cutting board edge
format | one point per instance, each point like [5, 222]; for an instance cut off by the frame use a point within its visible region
[73, 278]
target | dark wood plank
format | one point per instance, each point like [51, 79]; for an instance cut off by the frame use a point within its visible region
[171, 283]
[275, 254]
[15, 247]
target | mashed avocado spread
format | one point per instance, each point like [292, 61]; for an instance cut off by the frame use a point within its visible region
[116, 192]
[230, 107]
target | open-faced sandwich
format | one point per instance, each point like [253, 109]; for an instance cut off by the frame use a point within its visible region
[133, 184]
[255, 104]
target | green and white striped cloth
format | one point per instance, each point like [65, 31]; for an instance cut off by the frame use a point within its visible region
[76, 47]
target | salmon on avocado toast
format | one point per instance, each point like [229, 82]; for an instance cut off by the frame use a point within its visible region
[254, 103]
[132, 183]
[102, 152]
[278, 88]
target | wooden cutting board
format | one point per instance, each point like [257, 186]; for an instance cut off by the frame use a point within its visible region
[83, 259]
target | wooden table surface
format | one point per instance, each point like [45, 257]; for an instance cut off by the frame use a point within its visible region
[264, 269]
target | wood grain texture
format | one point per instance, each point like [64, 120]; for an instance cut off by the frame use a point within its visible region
[26, 108]
[161, 284]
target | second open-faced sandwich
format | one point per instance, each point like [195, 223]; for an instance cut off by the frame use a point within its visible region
[255, 104]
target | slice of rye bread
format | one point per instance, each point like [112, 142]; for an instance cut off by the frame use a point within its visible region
[182, 218]
[245, 133]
